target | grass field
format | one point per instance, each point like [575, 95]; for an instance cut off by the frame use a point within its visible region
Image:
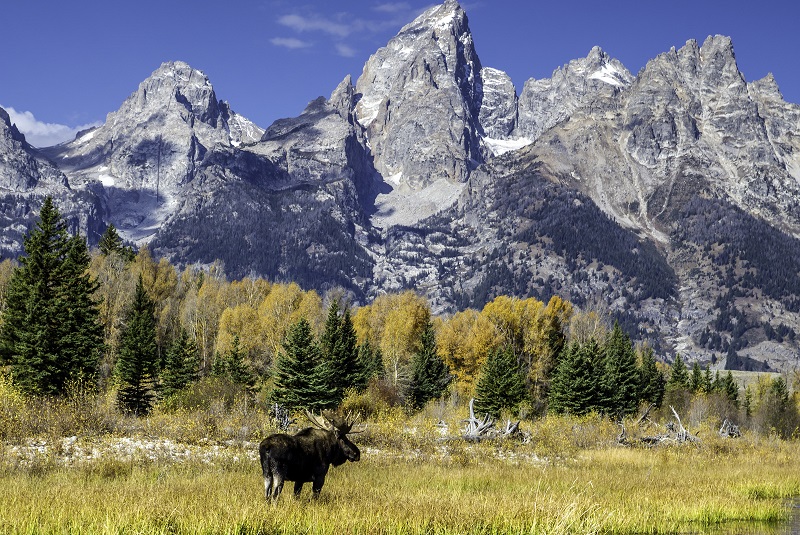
[76, 465]
[449, 487]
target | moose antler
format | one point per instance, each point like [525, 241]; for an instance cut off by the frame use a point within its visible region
[350, 419]
[329, 421]
[320, 422]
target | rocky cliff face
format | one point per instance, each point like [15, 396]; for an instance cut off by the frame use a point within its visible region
[26, 178]
[591, 83]
[141, 159]
[418, 101]
[671, 197]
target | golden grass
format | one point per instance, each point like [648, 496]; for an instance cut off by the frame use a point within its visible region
[609, 490]
[195, 471]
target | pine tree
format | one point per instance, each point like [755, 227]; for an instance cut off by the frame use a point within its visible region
[51, 334]
[339, 349]
[747, 404]
[729, 388]
[679, 375]
[696, 378]
[706, 386]
[575, 388]
[237, 369]
[430, 375]
[501, 384]
[620, 377]
[182, 365]
[370, 364]
[651, 380]
[300, 374]
[332, 332]
[343, 360]
[137, 365]
[111, 243]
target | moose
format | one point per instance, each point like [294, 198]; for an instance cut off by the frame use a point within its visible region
[307, 455]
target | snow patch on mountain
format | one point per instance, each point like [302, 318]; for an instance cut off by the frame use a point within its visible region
[501, 146]
[610, 74]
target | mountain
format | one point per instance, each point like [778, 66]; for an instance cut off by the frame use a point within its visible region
[669, 198]
[144, 157]
[26, 178]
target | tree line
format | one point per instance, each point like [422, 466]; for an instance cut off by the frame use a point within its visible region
[115, 318]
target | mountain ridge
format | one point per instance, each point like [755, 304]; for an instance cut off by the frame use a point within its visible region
[431, 173]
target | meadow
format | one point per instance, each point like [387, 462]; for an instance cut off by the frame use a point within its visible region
[82, 469]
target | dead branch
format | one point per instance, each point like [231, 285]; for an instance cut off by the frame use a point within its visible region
[484, 428]
[674, 433]
[729, 430]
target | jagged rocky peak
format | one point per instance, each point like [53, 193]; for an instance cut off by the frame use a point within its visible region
[498, 109]
[18, 168]
[9, 130]
[175, 83]
[177, 91]
[342, 98]
[767, 88]
[21, 167]
[591, 81]
[417, 99]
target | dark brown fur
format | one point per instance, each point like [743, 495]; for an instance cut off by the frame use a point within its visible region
[302, 458]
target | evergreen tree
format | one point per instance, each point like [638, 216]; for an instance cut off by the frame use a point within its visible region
[430, 375]
[332, 332]
[679, 375]
[370, 364]
[111, 243]
[619, 383]
[651, 380]
[79, 330]
[747, 405]
[501, 384]
[182, 365]
[219, 368]
[706, 386]
[342, 360]
[300, 375]
[779, 392]
[729, 388]
[339, 349]
[696, 378]
[575, 388]
[237, 369]
[137, 365]
[50, 332]
[717, 383]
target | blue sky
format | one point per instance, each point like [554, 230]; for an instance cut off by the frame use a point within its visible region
[65, 64]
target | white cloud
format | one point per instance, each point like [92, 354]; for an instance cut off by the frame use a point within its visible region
[289, 42]
[345, 51]
[41, 134]
[304, 24]
[392, 7]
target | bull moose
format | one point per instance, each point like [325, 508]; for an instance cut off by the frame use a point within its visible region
[307, 455]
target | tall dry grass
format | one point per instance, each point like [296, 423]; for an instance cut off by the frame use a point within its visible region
[76, 465]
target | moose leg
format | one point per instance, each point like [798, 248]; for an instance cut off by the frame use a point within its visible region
[267, 486]
[316, 485]
[298, 486]
[266, 469]
[277, 485]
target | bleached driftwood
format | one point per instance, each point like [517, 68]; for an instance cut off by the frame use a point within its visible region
[729, 430]
[484, 428]
[675, 432]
